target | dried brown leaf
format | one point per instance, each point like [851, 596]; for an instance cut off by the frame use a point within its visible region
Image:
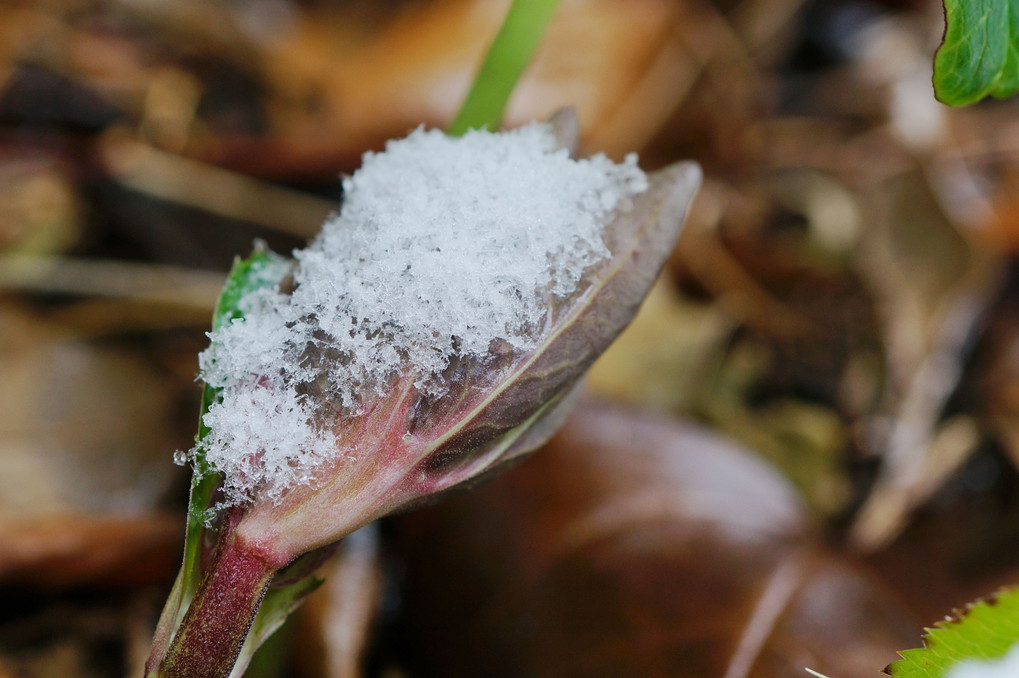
[635, 546]
[74, 434]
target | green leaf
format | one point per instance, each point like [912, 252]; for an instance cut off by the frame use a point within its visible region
[979, 55]
[985, 631]
[262, 269]
[507, 58]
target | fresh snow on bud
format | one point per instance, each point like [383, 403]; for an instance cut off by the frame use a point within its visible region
[444, 248]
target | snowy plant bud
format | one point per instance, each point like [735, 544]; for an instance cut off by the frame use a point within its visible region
[433, 331]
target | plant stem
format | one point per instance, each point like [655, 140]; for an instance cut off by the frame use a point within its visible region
[507, 58]
[216, 624]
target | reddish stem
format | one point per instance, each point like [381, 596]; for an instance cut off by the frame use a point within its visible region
[217, 622]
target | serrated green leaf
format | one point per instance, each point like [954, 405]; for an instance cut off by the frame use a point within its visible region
[979, 55]
[985, 631]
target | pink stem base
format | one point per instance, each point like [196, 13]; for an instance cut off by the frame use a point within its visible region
[216, 624]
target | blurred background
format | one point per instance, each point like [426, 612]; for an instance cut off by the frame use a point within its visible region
[802, 451]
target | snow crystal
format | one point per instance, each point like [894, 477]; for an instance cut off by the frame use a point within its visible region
[442, 245]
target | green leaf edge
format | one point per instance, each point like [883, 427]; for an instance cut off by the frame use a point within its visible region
[961, 80]
[246, 275]
[985, 631]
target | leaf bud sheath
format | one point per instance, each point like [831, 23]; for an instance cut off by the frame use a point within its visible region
[216, 624]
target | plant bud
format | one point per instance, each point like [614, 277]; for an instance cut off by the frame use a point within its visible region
[434, 331]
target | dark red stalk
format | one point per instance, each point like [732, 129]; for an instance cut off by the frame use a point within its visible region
[217, 622]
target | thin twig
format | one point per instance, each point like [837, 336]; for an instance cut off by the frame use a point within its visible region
[775, 598]
[145, 283]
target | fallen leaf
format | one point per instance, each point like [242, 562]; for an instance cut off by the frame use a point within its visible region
[632, 545]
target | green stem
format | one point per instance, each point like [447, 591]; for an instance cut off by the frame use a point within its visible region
[507, 58]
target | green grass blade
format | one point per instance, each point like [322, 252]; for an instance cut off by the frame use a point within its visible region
[507, 58]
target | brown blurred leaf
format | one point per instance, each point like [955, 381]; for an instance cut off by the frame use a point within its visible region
[335, 623]
[280, 89]
[634, 546]
[75, 433]
[39, 211]
[339, 92]
[110, 551]
[84, 433]
[932, 290]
